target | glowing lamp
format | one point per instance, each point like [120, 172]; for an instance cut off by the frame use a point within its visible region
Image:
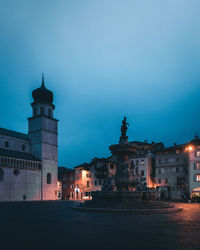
[190, 148]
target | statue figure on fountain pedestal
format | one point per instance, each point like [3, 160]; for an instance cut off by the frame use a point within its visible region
[124, 127]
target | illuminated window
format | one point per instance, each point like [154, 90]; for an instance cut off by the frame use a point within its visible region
[1, 175]
[197, 177]
[198, 166]
[142, 162]
[198, 153]
[48, 178]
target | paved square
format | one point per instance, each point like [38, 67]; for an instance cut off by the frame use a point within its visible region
[54, 225]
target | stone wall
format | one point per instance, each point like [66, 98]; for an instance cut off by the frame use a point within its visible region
[23, 184]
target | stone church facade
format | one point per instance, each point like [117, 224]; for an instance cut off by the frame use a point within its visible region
[29, 162]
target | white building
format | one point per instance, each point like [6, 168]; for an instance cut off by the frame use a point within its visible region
[193, 150]
[29, 162]
[178, 170]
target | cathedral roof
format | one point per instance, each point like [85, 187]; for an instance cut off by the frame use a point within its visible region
[12, 133]
[42, 94]
[18, 154]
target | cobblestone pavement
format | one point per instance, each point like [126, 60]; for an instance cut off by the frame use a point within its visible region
[54, 225]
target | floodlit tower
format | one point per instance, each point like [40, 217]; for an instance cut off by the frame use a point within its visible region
[43, 133]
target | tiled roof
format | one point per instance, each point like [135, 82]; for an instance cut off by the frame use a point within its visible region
[82, 165]
[12, 133]
[108, 159]
[194, 142]
[18, 154]
[172, 148]
[140, 143]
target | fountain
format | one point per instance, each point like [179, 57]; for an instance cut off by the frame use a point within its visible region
[127, 190]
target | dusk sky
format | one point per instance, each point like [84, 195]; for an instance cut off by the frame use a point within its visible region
[103, 60]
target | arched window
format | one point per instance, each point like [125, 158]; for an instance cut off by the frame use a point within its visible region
[1, 175]
[48, 178]
[16, 172]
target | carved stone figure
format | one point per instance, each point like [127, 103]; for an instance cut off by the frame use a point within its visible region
[124, 128]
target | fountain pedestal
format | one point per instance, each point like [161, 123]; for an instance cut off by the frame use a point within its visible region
[132, 192]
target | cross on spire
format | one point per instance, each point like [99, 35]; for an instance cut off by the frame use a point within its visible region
[42, 78]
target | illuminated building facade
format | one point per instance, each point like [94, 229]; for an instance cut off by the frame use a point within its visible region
[29, 162]
[66, 177]
[92, 177]
[193, 150]
[178, 170]
[173, 171]
[78, 183]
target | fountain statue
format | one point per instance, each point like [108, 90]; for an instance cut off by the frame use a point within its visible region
[127, 190]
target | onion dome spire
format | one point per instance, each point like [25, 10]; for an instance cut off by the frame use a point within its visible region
[42, 94]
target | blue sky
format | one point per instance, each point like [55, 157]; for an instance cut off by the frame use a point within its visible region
[103, 60]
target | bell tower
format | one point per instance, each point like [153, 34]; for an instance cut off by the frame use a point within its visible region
[43, 134]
